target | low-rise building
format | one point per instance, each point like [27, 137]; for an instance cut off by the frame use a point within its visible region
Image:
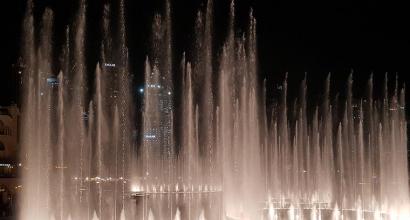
[9, 181]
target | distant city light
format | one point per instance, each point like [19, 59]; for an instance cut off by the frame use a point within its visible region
[141, 90]
[109, 64]
[154, 86]
[6, 165]
[52, 81]
[150, 136]
[169, 93]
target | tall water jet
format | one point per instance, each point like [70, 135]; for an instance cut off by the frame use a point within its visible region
[203, 72]
[239, 126]
[61, 145]
[36, 142]
[77, 112]
[125, 105]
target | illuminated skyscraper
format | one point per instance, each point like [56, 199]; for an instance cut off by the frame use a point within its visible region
[158, 129]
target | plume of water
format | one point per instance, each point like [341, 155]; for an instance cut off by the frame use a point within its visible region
[177, 215]
[150, 215]
[122, 215]
[95, 217]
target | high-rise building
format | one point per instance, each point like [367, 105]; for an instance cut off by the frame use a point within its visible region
[112, 71]
[158, 118]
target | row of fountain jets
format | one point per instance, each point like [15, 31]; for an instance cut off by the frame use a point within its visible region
[220, 156]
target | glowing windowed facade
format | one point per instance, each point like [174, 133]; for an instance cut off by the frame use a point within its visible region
[157, 126]
[8, 139]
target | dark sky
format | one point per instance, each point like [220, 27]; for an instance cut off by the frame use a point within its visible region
[315, 37]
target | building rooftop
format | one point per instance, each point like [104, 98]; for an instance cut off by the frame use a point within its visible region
[9, 110]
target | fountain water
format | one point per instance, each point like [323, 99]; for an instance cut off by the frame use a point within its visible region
[229, 160]
[177, 215]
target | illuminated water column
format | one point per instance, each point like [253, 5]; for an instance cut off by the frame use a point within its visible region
[239, 127]
[79, 148]
[36, 113]
[203, 72]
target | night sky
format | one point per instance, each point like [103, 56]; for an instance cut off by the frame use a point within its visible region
[316, 37]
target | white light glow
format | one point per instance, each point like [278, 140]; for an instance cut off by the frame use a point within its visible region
[135, 188]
